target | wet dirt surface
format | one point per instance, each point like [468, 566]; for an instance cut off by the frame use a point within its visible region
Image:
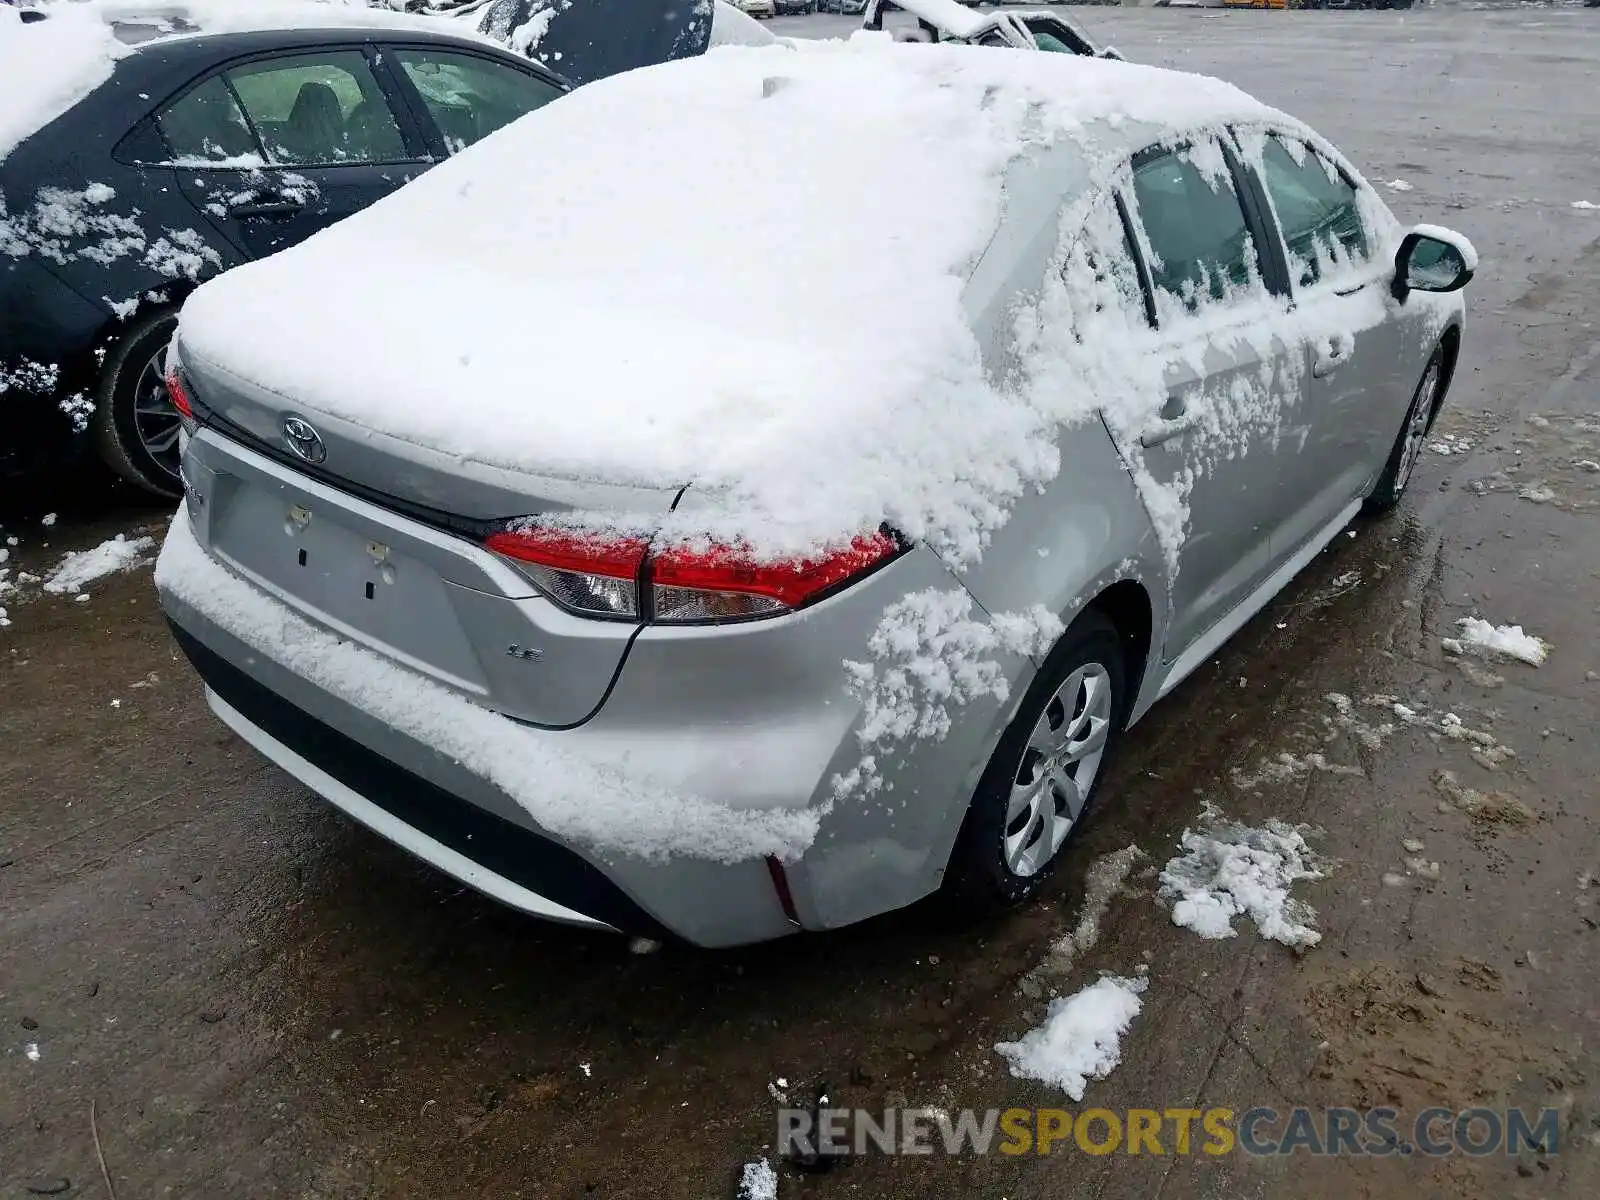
[253, 997]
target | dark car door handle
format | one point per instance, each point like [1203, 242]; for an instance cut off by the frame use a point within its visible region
[1174, 427]
[1332, 354]
[280, 206]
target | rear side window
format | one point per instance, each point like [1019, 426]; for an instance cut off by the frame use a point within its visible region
[1103, 284]
[468, 97]
[205, 127]
[1194, 226]
[319, 109]
[1316, 208]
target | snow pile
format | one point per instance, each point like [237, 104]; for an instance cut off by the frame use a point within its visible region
[48, 67]
[1398, 185]
[525, 38]
[1450, 443]
[1585, 204]
[1497, 641]
[758, 1181]
[930, 654]
[1229, 870]
[570, 794]
[1082, 1037]
[811, 385]
[730, 27]
[80, 568]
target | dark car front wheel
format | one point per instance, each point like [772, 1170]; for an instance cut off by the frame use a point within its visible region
[135, 426]
[1045, 770]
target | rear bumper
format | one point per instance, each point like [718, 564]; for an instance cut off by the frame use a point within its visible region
[493, 856]
[436, 808]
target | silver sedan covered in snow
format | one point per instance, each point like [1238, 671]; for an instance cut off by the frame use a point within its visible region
[536, 545]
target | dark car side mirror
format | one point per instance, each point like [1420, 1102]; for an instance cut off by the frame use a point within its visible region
[1432, 259]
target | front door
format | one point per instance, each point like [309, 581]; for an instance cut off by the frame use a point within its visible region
[1355, 398]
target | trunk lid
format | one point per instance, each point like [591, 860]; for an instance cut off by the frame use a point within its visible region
[380, 541]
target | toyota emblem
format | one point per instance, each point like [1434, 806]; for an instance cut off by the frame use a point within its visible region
[305, 441]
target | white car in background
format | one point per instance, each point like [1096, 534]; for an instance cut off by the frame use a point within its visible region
[756, 8]
[1024, 29]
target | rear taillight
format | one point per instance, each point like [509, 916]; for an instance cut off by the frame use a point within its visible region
[605, 576]
[179, 395]
[587, 573]
[723, 584]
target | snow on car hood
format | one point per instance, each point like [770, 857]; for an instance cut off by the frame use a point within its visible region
[653, 282]
[49, 65]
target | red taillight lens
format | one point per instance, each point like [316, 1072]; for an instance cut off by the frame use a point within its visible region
[725, 583]
[179, 395]
[592, 574]
[600, 575]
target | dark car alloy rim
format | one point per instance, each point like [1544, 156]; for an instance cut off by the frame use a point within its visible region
[154, 418]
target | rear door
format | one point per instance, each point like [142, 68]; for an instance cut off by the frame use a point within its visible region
[1354, 399]
[274, 148]
[1212, 455]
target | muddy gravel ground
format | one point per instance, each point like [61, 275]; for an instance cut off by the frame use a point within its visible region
[239, 993]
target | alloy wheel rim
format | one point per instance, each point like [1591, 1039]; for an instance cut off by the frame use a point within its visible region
[1057, 770]
[155, 421]
[1417, 427]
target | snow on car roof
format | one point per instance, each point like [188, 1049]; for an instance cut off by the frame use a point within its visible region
[743, 270]
[955, 19]
[49, 65]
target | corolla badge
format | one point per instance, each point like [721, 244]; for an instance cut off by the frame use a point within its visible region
[305, 441]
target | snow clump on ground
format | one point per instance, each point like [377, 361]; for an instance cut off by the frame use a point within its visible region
[1228, 870]
[1081, 1039]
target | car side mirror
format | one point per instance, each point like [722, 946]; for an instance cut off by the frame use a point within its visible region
[1433, 259]
[1112, 53]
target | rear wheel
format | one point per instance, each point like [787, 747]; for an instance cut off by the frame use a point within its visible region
[1408, 443]
[1045, 771]
[135, 425]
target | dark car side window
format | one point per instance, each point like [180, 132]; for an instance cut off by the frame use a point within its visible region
[1052, 38]
[317, 110]
[1316, 208]
[469, 97]
[205, 127]
[1195, 228]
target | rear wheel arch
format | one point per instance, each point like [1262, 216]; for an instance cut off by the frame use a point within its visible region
[1126, 604]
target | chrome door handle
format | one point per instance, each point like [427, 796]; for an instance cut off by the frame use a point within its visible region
[1166, 431]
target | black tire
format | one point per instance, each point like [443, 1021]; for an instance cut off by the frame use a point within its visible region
[129, 429]
[980, 878]
[1407, 449]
